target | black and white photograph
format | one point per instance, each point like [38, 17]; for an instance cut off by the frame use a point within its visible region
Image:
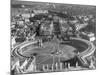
[52, 37]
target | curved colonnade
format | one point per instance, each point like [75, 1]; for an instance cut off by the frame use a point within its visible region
[88, 47]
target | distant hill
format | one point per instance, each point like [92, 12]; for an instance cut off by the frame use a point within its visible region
[70, 8]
